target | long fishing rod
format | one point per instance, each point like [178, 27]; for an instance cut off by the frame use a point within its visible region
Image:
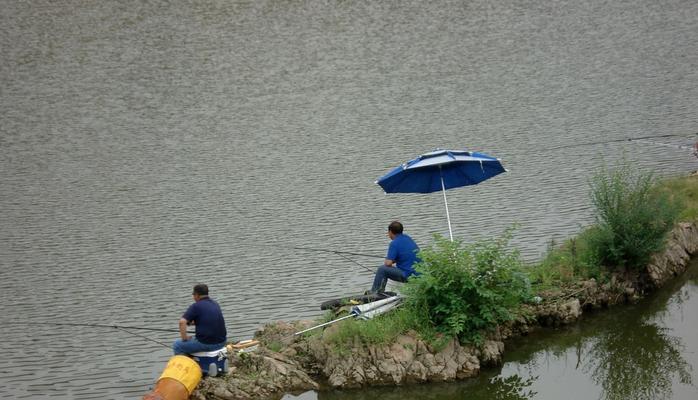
[144, 337]
[356, 262]
[95, 326]
[333, 251]
[638, 139]
[342, 254]
[118, 327]
[675, 146]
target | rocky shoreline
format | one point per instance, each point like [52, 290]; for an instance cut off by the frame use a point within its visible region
[304, 364]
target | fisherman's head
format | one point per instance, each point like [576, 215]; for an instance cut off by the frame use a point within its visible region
[394, 229]
[200, 291]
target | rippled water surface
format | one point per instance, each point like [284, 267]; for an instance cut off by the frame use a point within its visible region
[145, 147]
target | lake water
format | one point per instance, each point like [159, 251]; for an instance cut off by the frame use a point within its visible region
[145, 147]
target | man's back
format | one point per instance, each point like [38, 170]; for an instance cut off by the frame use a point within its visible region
[403, 250]
[208, 318]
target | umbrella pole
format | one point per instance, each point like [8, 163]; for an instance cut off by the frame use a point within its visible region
[448, 216]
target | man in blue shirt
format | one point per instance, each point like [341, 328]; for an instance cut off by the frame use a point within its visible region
[399, 262]
[206, 315]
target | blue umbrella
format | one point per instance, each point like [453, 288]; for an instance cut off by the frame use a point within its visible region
[441, 170]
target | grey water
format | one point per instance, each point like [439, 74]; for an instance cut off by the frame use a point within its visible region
[148, 146]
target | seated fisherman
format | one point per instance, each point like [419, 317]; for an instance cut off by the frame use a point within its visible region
[206, 315]
[398, 264]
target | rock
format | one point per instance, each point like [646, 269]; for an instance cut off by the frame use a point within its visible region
[416, 372]
[573, 310]
[491, 353]
[682, 243]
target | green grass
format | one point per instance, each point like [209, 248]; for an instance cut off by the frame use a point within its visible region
[565, 264]
[381, 329]
[685, 190]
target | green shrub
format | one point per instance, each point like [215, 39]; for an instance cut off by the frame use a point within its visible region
[466, 289]
[632, 219]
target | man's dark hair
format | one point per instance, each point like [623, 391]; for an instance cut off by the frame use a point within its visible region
[395, 227]
[201, 289]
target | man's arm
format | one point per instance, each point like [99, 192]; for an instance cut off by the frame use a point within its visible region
[391, 256]
[183, 329]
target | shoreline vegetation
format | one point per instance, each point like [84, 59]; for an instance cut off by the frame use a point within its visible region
[472, 297]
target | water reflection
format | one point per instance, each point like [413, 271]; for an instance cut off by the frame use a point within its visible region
[636, 356]
[639, 362]
[628, 352]
[497, 387]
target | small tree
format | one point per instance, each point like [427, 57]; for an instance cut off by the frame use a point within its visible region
[632, 218]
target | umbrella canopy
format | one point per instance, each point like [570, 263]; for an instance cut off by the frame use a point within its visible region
[441, 170]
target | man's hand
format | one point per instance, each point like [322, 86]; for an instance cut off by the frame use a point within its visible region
[183, 329]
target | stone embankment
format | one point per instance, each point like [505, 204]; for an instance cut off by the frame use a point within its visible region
[309, 363]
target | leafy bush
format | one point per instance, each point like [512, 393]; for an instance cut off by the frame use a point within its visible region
[632, 218]
[466, 289]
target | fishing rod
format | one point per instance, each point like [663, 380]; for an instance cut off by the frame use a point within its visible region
[342, 254]
[118, 327]
[96, 326]
[333, 251]
[637, 139]
[144, 337]
[337, 252]
[676, 146]
[356, 262]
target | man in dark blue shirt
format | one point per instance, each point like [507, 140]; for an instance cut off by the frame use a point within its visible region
[399, 262]
[206, 315]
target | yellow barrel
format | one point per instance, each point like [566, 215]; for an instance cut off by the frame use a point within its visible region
[178, 380]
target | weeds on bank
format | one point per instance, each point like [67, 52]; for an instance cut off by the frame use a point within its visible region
[633, 217]
[685, 191]
[633, 212]
[565, 264]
